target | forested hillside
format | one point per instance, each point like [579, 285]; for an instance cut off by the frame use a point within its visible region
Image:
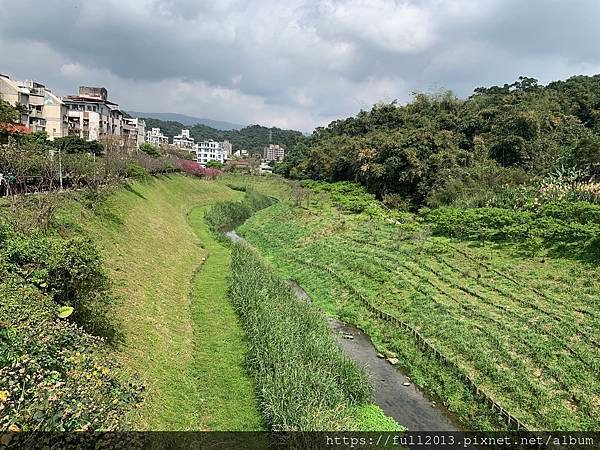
[439, 149]
[252, 138]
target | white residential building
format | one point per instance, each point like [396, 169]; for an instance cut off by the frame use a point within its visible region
[184, 140]
[209, 151]
[274, 152]
[134, 132]
[156, 137]
[92, 116]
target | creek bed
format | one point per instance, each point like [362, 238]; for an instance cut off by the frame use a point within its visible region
[393, 391]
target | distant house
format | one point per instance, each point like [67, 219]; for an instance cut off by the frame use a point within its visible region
[265, 168]
[184, 140]
[211, 151]
[12, 129]
[238, 165]
[273, 152]
[156, 137]
[41, 110]
[134, 132]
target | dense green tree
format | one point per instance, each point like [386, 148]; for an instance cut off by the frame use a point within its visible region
[8, 113]
[252, 138]
[214, 164]
[150, 149]
[500, 134]
[76, 145]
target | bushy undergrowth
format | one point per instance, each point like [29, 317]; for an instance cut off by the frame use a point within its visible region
[225, 216]
[69, 271]
[348, 196]
[304, 381]
[554, 223]
[55, 374]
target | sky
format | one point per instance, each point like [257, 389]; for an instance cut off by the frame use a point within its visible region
[292, 63]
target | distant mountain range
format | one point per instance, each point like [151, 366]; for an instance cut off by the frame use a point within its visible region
[188, 120]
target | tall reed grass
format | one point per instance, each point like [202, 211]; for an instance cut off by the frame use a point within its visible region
[303, 379]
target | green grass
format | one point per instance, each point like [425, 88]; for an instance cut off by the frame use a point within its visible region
[525, 329]
[227, 392]
[152, 254]
[305, 382]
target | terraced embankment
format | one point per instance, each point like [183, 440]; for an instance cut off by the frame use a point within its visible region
[497, 335]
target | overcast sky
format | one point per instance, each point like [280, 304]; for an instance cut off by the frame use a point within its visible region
[292, 63]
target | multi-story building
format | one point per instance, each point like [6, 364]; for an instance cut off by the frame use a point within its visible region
[209, 151]
[41, 109]
[274, 152]
[184, 140]
[56, 114]
[92, 116]
[29, 96]
[227, 149]
[134, 132]
[156, 137]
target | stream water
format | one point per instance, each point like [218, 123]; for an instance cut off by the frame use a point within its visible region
[393, 391]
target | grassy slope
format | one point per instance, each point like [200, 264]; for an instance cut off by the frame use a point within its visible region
[228, 400]
[508, 373]
[152, 253]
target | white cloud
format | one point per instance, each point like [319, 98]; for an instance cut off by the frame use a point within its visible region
[296, 63]
[397, 26]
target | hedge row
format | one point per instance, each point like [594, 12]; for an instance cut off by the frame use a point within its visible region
[555, 223]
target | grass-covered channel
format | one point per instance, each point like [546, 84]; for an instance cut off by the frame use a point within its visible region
[303, 380]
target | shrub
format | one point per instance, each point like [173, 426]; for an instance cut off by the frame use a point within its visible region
[554, 223]
[225, 216]
[150, 149]
[196, 170]
[70, 271]
[54, 376]
[136, 171]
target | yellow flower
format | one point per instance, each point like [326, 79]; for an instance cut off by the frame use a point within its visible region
[3, 396]
[14, 428]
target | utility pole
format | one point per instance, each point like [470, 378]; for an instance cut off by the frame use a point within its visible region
[60, 176]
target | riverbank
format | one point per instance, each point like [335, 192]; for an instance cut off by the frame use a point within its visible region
[152, 255]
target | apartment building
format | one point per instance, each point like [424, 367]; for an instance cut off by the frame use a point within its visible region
[92, 116]
[42, 110]
[156, 137]
[30, 96]
[184, 140]
[273, 152]
[56, 114]
[134, 132]
[209, 151]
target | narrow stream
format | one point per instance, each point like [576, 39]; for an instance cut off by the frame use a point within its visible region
[393, 391]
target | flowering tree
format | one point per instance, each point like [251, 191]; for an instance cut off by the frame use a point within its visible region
[194, 169]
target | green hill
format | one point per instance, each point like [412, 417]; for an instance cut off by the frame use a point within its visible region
[252, 138]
